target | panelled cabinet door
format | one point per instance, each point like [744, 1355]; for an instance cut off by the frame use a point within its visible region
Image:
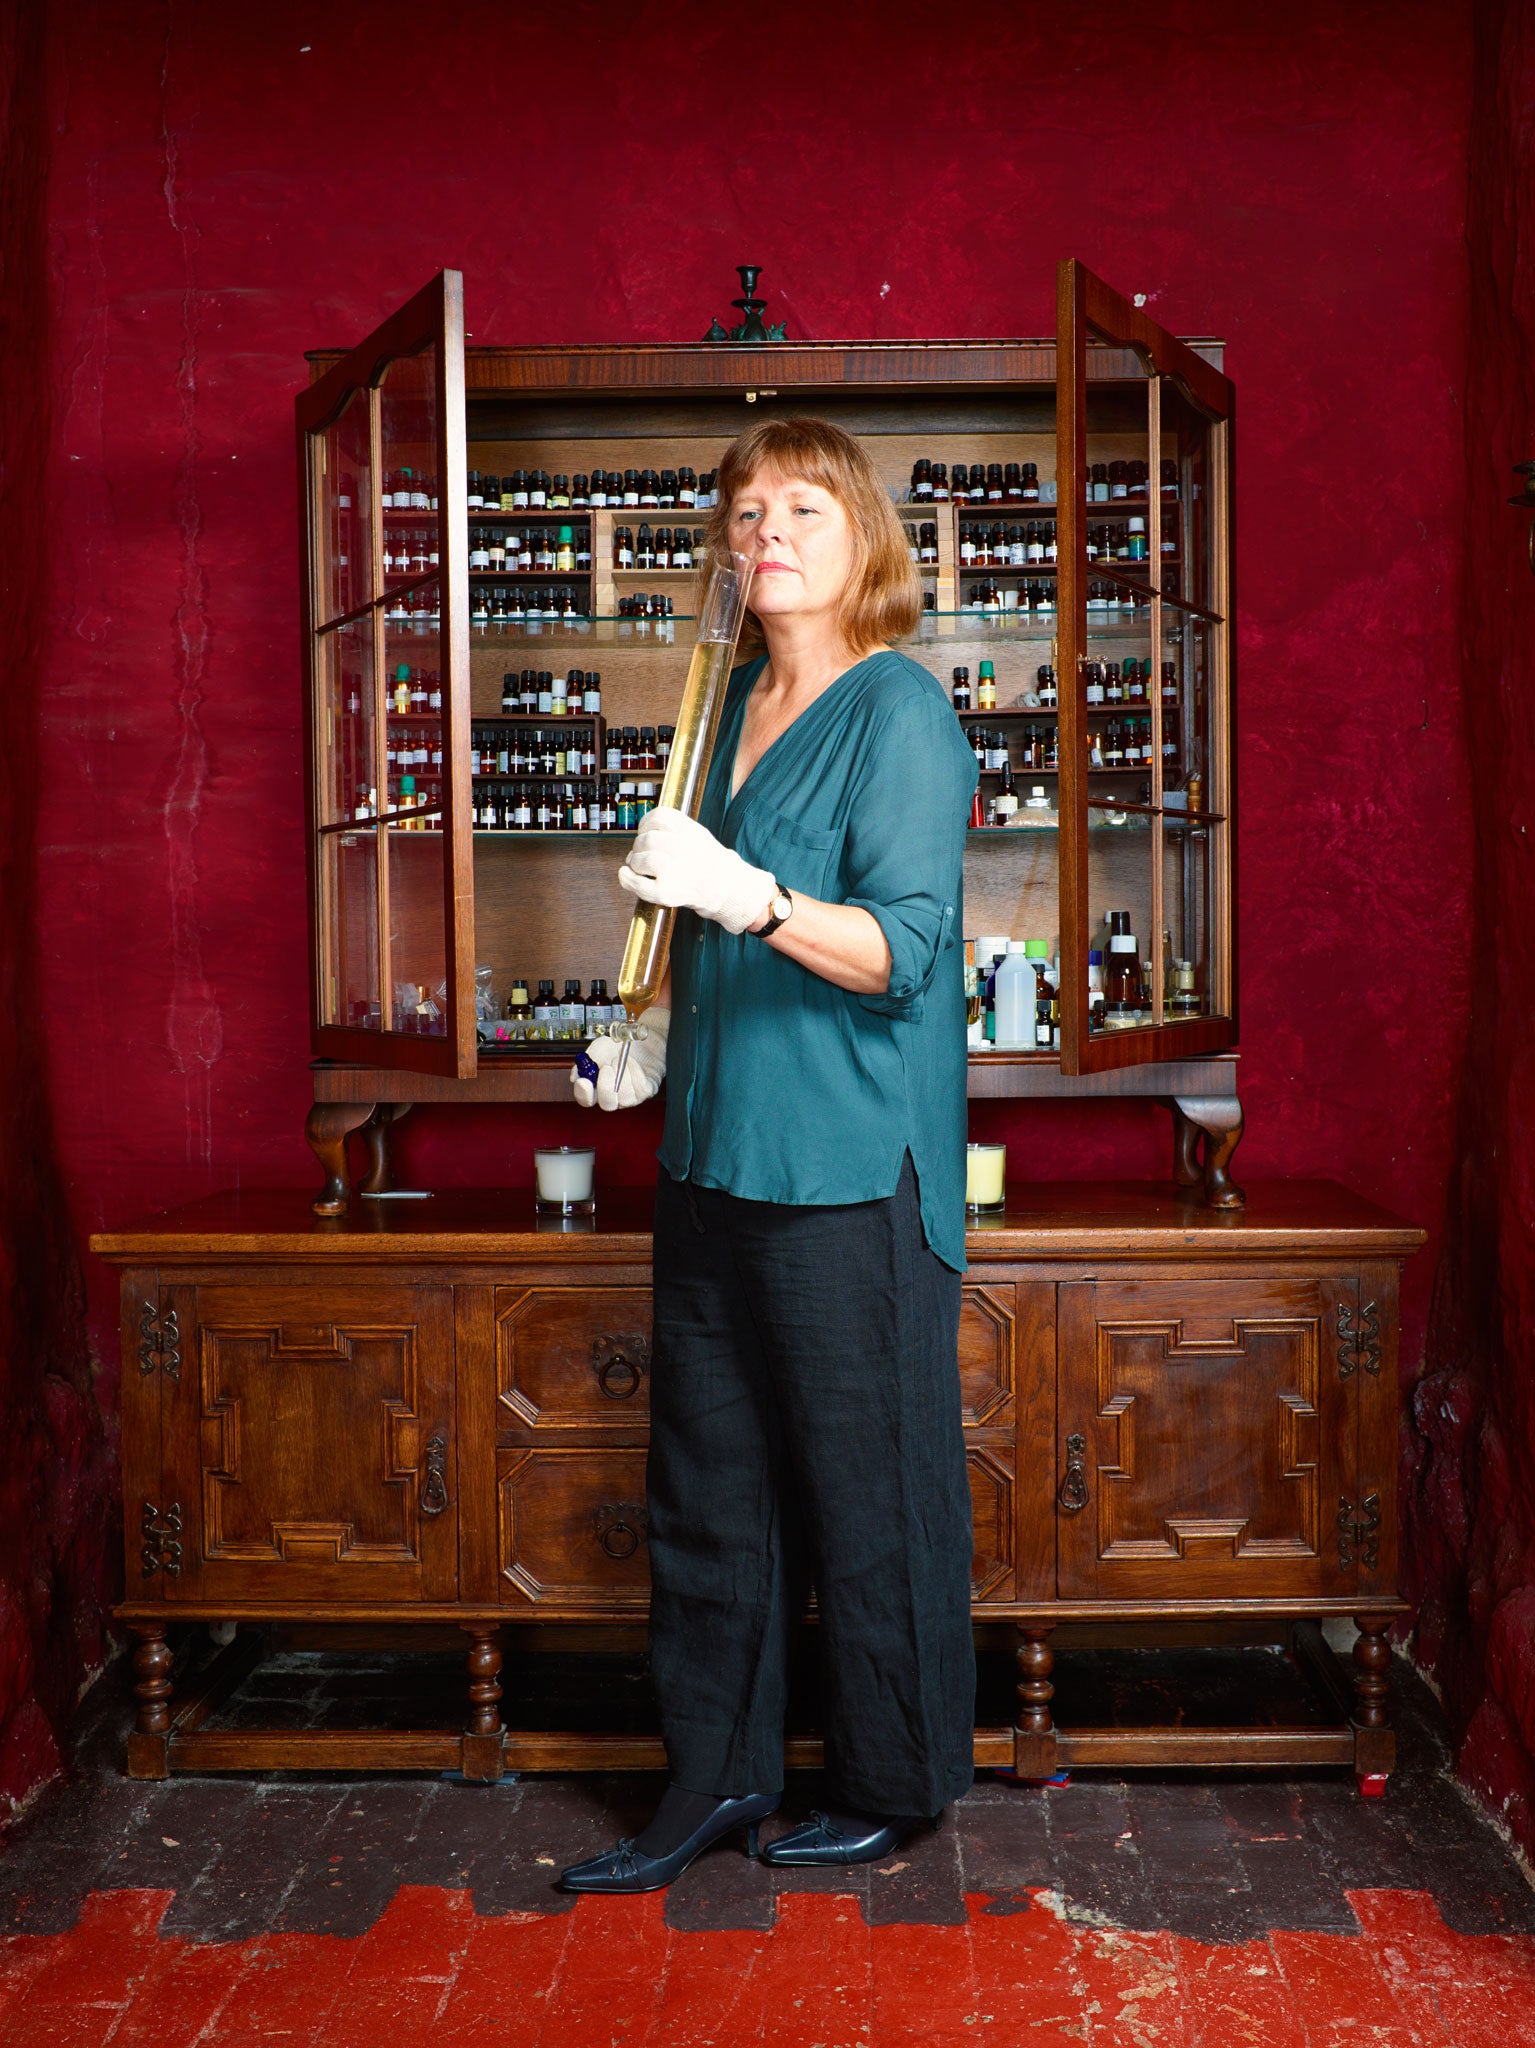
[308, 1445]
[1147, 794]
[987, 1354]
[384, 547]
[1206, 1440]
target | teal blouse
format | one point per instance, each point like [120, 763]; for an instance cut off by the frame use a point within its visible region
[781, 1087]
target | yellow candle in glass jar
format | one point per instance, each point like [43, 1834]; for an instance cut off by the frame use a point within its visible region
[985, 1176]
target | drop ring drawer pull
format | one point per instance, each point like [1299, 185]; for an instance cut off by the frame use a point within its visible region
[1073, 1494]
[620, 1363]
[620, 1527]
[434, 1480]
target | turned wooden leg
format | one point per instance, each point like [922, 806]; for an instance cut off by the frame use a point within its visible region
[1218, 1118]
[1372, 1671]
[1035, 1756]
[375, 1135]
[1374, 1737]
[149, 1739]
[152, 1677]
[482, 1743]
[1036, 1661]
[485, 1681]
[327, 1128]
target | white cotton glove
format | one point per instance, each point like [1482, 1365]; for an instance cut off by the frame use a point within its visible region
[676, 861]
[643, 1074]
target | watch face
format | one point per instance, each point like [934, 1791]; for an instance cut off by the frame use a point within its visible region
[783, 903]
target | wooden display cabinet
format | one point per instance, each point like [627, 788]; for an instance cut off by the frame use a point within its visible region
[409, 896]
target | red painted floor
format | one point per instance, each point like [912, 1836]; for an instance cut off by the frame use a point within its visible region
[612, 1974]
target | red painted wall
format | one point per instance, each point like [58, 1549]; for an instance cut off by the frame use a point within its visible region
[1471, 1493]
[56, 1569]
[230, 187]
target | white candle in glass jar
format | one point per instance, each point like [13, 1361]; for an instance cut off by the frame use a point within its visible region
[985, 1176]
[564, 1175]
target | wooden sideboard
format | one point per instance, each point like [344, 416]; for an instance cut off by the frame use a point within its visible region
[434, 1411]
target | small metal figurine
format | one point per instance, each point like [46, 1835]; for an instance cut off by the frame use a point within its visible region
[751, 326]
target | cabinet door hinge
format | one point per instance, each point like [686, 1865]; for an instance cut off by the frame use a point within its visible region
[159, 1342]
[162, 1540]
[1359, 1533]
[1359, 1347]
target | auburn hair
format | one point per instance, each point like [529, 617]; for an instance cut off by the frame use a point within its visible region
[883, 598]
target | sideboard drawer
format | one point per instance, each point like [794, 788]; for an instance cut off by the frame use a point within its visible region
[572, 1357]
[571, 1526]
[571, 1529]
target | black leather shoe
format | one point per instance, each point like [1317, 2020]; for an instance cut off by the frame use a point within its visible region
[818, 1841]
[628, 1869]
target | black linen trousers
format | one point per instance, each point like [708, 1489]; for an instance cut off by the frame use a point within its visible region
[805, 1417]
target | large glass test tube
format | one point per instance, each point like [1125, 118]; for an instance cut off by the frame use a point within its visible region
[720, 611]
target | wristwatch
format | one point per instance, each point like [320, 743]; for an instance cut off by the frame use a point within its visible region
[778, 910]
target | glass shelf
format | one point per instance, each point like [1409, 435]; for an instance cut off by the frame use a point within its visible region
[1042, 627]
[593, 630]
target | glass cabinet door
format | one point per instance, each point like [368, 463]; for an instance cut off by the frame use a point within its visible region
[1147, 800]
[381, 448]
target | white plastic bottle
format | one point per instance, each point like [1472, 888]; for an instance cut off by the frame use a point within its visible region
[1015, 998]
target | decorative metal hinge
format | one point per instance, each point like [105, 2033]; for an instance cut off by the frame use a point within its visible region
[1359, 1347]
[1073, 1494]
[1359, 1534]
[162, 1540]
[159, 1342]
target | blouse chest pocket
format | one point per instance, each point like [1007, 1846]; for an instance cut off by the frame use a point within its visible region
[798, 856]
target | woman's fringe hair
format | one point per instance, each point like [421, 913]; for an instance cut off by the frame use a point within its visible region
[883, 599]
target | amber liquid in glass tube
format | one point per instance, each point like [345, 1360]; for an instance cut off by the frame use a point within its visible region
[687, 768]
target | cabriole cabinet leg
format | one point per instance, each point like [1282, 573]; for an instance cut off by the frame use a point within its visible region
[484, 1736]
[1218, 1119]
[327, 1129]
[1187, 1171]
[376, 1134]
[149, 1743]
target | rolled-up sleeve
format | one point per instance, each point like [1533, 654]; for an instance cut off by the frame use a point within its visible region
[905, 843]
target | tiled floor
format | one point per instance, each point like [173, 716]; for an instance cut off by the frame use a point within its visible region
[1190, 1909]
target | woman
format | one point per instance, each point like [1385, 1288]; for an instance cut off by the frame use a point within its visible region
[809, 1231]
